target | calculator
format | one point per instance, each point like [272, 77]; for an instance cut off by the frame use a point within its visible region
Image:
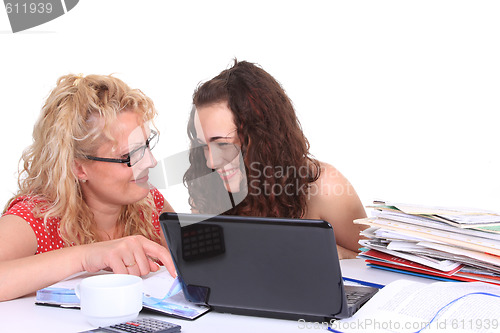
[142, 325]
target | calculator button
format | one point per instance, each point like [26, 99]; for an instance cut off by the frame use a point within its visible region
[145, 325]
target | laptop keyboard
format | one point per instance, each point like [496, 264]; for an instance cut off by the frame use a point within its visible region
[357, 296]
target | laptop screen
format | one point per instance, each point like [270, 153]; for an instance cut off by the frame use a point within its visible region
[274, 267]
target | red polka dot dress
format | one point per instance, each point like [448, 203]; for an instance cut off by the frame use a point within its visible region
[48, 236]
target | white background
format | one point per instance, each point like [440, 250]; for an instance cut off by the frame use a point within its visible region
[402, 97]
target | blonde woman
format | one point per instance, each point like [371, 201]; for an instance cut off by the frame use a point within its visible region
[84, 201]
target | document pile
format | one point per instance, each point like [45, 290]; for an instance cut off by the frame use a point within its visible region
[440, 243]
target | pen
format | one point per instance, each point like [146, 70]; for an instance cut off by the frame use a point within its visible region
[365, 283]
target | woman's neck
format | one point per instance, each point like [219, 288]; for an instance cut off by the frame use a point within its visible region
[106, 219]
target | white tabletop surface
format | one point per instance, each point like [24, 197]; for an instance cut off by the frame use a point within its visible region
[22, 315]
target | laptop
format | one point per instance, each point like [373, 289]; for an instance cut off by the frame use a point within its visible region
[269, 267]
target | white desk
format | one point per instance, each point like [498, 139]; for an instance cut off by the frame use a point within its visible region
[22, 315]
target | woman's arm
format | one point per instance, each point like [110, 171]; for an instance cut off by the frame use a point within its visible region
[334, 200]
[22, 272]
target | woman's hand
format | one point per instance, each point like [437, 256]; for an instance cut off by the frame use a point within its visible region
[129, 255]
[133, 255]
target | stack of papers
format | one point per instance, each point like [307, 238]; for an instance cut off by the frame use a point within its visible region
[435, 242]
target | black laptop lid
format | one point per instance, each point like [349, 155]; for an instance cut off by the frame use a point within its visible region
[283, 268]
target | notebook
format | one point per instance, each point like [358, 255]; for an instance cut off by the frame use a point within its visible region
[270, 267]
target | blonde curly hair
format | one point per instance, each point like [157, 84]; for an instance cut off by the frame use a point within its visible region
[64, 133]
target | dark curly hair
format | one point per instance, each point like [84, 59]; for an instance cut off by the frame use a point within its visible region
[276, 152]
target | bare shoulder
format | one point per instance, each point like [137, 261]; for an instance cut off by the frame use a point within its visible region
[332, 192]
[331, 182]
[17, 239]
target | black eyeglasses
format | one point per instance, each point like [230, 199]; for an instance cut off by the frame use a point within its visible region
[134, 156]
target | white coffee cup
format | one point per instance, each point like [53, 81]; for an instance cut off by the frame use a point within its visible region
[110, 299]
